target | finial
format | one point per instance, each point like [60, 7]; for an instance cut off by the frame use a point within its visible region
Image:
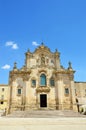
[70, 65]
[23, 68]
[15, 67]
[28, 50]
[62, 67]
[42, 44]
[56, 50]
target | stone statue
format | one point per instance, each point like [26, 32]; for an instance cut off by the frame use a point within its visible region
[42, 60]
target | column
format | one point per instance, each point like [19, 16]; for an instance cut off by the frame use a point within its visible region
[60, 93]
[73, 96]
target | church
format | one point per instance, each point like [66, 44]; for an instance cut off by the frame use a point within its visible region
[44, 84]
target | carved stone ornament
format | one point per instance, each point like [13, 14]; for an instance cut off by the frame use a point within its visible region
[42, 89]
[22, 74]
[71, 77]
[13, 78]
[25, 77]
[42, 48]
[42, 70]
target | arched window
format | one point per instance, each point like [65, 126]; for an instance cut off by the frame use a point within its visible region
[43, 80]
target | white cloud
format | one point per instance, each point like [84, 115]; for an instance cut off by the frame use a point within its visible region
[12, 44]
[9, 43]
[35, 43]
[6, 67]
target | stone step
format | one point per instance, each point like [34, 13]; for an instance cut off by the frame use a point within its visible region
[45, 114]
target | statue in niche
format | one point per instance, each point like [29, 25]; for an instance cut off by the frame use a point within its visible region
[37, 61]
[42, 60]
[47, 60]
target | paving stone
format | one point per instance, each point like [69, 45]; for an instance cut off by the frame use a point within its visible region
[43, 123]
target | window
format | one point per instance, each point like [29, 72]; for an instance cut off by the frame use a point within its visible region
[2, 102]
[66, 91]
[52, 83]
[19, 91]
[3, 89]
[33, 83]
[52, 61]
[43, 80]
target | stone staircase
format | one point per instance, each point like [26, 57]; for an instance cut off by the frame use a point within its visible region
[45, 114]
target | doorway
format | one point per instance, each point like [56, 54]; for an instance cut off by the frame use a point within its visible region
[43, 100]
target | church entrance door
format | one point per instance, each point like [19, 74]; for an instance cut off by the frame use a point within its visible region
[43, 100]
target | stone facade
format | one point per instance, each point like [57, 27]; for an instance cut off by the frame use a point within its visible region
[3, 96]
[42, 83]
[80, 92]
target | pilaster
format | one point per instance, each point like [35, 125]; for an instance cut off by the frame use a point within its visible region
[73, 96]
[60, 93]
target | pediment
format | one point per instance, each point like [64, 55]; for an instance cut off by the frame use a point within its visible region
[42, 49]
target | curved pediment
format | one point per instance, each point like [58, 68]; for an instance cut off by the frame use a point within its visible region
[42, 57]
[42, 49]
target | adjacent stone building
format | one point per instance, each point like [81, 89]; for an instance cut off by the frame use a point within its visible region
[43, 83]
[3, 96]
[80, 91]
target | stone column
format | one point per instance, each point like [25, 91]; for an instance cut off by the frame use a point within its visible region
[26, 94]
[9, 98]
[60, 93]
[73, 96]
[14, 92]
[37, 95]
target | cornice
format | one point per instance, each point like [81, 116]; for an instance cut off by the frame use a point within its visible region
[20, 72]
[4, 85]
[44, 49]
[64, 71]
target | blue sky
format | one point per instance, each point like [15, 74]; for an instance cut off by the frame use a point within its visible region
[59, 24]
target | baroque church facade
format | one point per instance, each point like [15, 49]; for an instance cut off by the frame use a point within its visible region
[42, 83]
